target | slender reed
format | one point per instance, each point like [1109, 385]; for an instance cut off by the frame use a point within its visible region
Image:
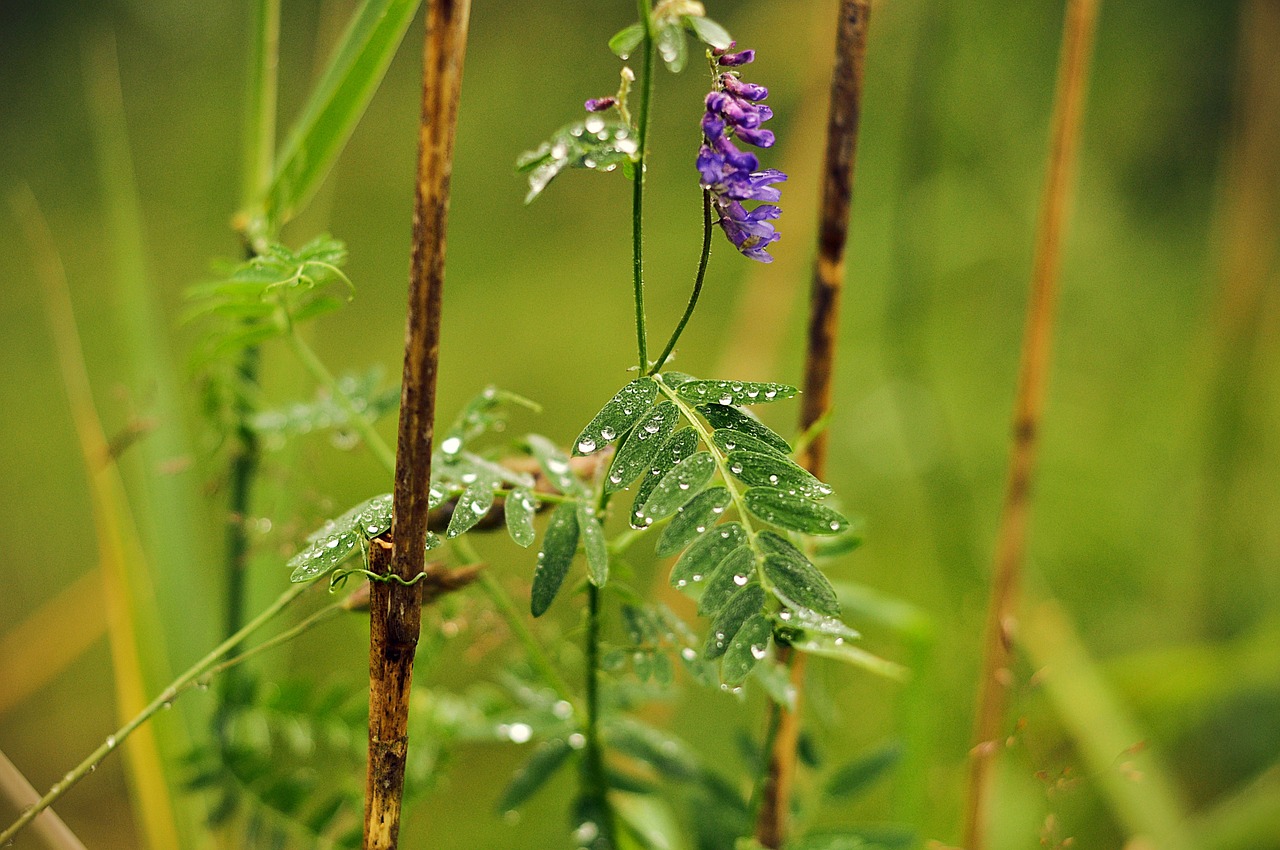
[396, 609]
[824, 314]
[703, 258]
[1077, 42]
[48, 827]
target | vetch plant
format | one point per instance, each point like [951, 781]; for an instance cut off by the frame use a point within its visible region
[677, 460]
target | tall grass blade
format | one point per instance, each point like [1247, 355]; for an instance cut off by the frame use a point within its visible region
[1104, 732]
[132, 627]
[334, 109]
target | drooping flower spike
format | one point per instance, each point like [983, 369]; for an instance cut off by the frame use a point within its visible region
[734, 110]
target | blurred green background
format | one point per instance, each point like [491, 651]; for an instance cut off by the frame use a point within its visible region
[1157, 516]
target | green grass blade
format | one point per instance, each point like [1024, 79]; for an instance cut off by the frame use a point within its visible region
[262, 98]
[335, 107]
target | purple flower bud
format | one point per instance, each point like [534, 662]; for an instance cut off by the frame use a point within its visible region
[759, 138]
[712, 127]
[720, 51]
[600, 104]
[731, 60]
[746, 91]
[737, 158]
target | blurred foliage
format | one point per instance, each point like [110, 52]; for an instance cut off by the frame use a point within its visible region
[1165, 577]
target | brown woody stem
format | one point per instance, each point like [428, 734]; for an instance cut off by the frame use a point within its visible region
[824, 314]
[828, 277]
[1077, 41]
[395, 610]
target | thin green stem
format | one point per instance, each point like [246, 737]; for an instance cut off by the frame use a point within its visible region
[637, 189]
[697, 284]
[184, 681]
[597, 780]
[358, 421]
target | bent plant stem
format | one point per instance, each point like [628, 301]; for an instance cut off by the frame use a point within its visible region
[395, 609]
[186, 680]
[697, 284]
[1077, 41]
[772, 825]
[637, 189]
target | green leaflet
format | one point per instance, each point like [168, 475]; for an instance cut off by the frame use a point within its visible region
[685, 480]
[672, 47]
[721, 416]
[668, 755]
[745, 603]
[336, 104]
[856, 776]
[797, 582]
[680, 446]
[709, 32]
[733, 572]
[692, 520]
[555, 465]
[631, 404]
[641, 447]
[729, 440]
[701, 559]
[837, 648]
[792, 512]
[775, 678]
[558, 547]
[757, 469]
[626, 40]
[534, 773]
[748, 647]
[595, 545]
[471, 506]
[593, 143]
[520, 507]
[734, 392]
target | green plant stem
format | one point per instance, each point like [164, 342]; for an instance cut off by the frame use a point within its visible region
[597, 780]
[637, 189]
[312, 363]
[697, 284]
[762, 778]
[184, 681]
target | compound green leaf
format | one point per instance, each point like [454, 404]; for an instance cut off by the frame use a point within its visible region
[798, 583]
[757, 469]
[709, 32]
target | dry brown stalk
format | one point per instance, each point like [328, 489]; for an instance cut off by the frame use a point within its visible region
[824, 314]
[395, 609]
[1077, 42]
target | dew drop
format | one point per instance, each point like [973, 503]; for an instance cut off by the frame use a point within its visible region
[594, 124]
[111, 741]
[519, 733]
[757, 652]
[451, 446]
[688, 653]
[739, 580]
[577, 740]
[586, 445]
[736, 469]
[726, 399]
[773, 479]
[608, 433]
[835, 525]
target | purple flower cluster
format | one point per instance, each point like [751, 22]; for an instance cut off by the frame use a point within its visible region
[735, 111]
